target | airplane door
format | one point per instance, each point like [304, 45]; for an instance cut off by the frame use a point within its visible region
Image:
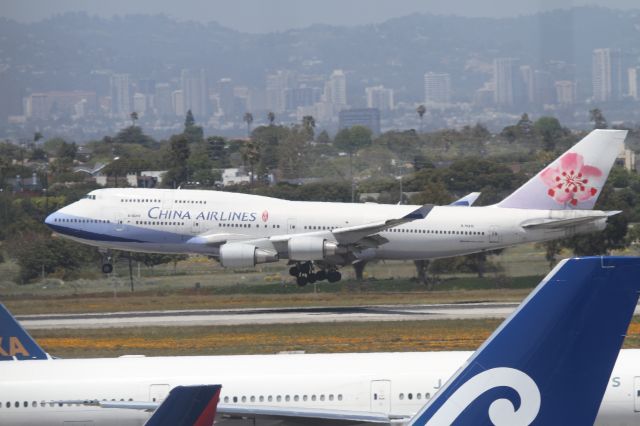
[291, 226]
[636, 394]
[158, 393]
[121, 225]
[381, 396]
[494, 235]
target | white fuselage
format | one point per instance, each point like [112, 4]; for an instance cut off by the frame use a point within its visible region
[398, 384]
[164, 220]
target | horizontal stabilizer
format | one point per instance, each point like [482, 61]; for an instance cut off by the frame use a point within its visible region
[564, 223]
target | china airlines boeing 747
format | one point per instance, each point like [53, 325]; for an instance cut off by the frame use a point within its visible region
[318, 237]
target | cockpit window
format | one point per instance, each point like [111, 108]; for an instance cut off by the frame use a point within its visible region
[90, 197]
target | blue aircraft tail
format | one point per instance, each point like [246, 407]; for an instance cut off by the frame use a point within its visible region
[187, 406]
[549, 363]
[15, 342]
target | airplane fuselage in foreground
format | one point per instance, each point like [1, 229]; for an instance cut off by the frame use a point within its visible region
[398, 384]
[203, 222]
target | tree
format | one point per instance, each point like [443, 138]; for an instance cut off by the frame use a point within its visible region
[217, 150]
[596, 116]
[134, 118]
[291, 152]
[550, 130]
[250, 153]
[309, 124]
[189, 120]
[179, 151]
[351, 140]
[271, 117]
[37, 136]
[248, 118]
[323, 137]
[421, 110]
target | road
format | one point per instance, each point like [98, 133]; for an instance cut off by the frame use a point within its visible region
[216, 317]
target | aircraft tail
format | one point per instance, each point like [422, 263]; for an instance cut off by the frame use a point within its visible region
[550, 361]
[187, 406]
[15, 342]
[575, 179]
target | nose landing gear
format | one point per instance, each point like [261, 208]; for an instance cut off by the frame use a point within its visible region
[107, 262]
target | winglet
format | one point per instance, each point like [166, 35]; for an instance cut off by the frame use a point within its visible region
[15, 342]
[575, 179]
[550, 361]
[187, 406]
[467, 200]
[419, 213]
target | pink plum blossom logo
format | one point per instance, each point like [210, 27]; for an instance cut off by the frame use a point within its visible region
[569, 183]
[265, 216]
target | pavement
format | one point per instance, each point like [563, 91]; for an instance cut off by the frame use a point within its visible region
[217, 317]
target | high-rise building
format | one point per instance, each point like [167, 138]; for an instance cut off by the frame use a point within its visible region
[195, 92]
[366, 117]
[565, 92]
[437, 88]
[277, 85]
[140, 103]
[177, 102]
[632, 79]
[120, 95]
[226, 99]
[379, 97]
[301, 97]
[504, 80]
[163, 101]
[336, 89]
[607, 75]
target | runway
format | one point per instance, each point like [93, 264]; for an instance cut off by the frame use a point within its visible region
[300, 315]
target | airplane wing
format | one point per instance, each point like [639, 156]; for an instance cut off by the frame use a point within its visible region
[467, 200]
[284, 416]
[563, 223]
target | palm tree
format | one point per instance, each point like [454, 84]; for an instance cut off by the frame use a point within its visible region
[248, 118]
[271, 117]
[134, 118]
[421, 110]
[308, 124]
[250, 153]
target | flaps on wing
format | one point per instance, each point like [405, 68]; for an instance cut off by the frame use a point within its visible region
[302, 415]
[548, 223]
[354, 234]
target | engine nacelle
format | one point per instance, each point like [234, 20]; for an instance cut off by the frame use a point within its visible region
[310, 248]
[240, 255]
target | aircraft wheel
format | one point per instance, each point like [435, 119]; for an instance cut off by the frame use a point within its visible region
[321, 275]
[334, 276]
[107, 268]
[294, 271]
[302, 280]
[312, 278]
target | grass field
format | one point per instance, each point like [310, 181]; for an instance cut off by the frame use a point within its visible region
[269, 339]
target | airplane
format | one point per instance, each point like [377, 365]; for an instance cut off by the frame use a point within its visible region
[549, 363]
[317, 238]
[186, 406]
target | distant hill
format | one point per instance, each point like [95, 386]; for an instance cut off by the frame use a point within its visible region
[61, 52]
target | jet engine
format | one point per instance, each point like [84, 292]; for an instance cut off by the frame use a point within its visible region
[310, 248]
[240, 255]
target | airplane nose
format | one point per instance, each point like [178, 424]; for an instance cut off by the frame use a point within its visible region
[50, 219]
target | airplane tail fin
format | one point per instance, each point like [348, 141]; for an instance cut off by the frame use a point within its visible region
[187, 406]
[575, 179]
[15, 342]
[550, 361]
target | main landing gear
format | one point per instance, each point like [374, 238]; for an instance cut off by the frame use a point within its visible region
[305, 274]
[107, 262]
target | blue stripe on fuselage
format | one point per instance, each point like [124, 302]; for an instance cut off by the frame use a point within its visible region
[92, 236]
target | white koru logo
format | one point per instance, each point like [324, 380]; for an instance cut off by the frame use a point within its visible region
[502, 411]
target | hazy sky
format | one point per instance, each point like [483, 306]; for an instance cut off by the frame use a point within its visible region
[275, 15]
